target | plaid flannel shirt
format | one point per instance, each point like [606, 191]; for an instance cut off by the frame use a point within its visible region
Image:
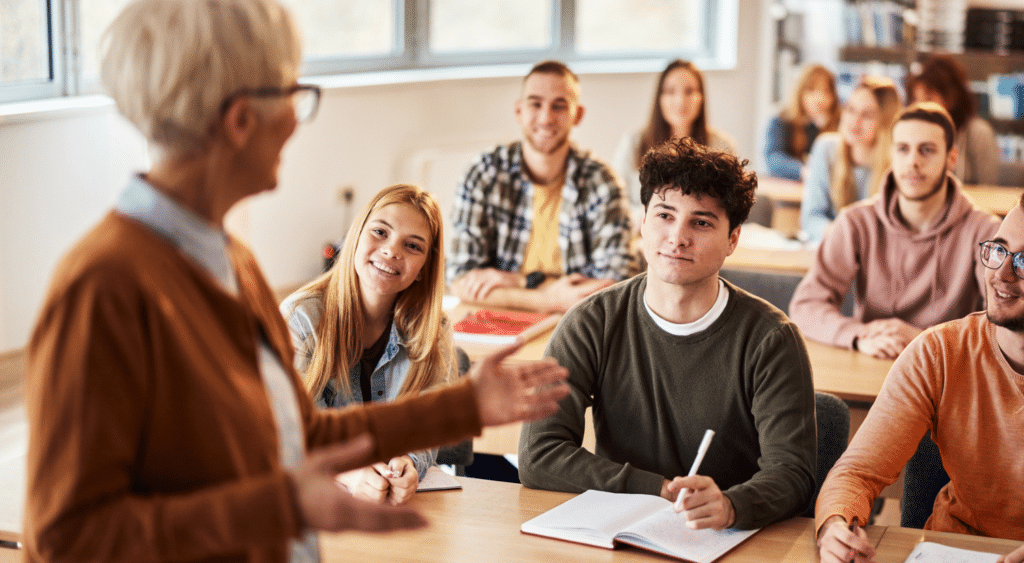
[492, 216]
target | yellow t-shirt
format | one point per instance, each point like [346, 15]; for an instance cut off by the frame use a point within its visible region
[542, 252]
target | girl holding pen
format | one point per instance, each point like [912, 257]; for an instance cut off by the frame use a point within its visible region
[372, 329]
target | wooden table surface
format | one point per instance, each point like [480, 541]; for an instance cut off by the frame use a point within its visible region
[897, 543]
[481, 523]
[849, 375]
[770, 261]
[787, 195]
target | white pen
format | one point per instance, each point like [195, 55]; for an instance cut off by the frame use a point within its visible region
[703, 449]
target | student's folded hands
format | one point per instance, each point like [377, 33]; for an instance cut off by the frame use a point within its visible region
[885, 338]
[394, 482]
[323, 504]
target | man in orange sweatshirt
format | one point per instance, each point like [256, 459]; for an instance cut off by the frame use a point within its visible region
[964, 382]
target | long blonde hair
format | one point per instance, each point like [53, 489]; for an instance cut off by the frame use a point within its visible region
[843, 189]
[418, 314]
[796, 115]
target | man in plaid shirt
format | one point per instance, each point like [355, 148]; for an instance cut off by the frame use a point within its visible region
[539, 224]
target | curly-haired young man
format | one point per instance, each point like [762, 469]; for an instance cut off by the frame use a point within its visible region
[668, 354]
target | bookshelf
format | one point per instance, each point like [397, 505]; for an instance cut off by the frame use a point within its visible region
[980, 64]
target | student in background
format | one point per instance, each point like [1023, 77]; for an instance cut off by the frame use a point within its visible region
[678, 111]
[846, 166]
[909, 250]
[676, 351]
[961, 381]
[813, 108]
[372, 329]
[943, 80]
[539, 224]
[166, 422]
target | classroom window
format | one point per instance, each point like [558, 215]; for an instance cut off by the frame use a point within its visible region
[461, 26]
[25, 55]
[346, 28]
[631, 26]
[96, 17]
[50, 47]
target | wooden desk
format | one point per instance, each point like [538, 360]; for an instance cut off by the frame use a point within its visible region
[995, 199]
[481, 523]
[897, 543]
[781, 190]
[787, 195]
[9, 555]
[848, 374]
[795, 262]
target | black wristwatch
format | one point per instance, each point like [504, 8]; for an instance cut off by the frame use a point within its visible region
[534, 279]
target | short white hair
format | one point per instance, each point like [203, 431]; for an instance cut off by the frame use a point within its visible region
[170, 65]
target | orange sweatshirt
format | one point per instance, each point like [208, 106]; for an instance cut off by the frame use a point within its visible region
[954, 381]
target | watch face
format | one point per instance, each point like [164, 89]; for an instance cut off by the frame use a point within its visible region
[534, 279]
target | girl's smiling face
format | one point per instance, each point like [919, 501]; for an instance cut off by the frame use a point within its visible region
[392, 249]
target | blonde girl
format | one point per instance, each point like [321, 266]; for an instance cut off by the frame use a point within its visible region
[372, 328]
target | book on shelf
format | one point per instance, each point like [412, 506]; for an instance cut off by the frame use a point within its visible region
[646, 521]
[488, 326]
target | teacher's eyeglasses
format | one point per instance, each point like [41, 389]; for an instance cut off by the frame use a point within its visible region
[305, 98]
[994, 254]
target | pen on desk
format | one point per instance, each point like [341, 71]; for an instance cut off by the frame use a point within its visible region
[703, 449]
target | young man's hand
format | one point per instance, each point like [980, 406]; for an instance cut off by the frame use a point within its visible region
[703, 502]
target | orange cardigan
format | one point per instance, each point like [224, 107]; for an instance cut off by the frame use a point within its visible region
[151, 437]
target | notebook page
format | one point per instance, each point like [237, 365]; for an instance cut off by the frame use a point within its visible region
[594, 514]
[437, 480]
[930, 552]
[665, 531]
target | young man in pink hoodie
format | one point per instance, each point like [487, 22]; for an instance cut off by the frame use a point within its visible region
[910, 251]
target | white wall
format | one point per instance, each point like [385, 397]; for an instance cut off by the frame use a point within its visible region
[58, 175]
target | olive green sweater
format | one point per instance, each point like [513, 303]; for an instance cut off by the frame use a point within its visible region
[747, 377]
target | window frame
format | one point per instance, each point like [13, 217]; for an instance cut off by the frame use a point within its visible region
[411, 48]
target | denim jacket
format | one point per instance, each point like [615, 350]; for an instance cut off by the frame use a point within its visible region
[303, 313]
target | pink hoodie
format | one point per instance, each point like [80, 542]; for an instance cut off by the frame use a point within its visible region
[922, 278]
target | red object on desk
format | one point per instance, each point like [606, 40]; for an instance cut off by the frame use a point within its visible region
[502, 327]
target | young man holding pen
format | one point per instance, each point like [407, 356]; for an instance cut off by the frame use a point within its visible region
[667, 355]
[962, 381]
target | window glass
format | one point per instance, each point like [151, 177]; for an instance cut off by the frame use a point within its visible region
[345, 28]
[458, 26]
[96, 17]
[610, 26]
[24, 41]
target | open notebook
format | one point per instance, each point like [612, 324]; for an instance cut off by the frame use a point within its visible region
[645, 521]
[929, 552]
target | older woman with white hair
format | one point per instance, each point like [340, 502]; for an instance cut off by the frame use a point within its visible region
[166, 420]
